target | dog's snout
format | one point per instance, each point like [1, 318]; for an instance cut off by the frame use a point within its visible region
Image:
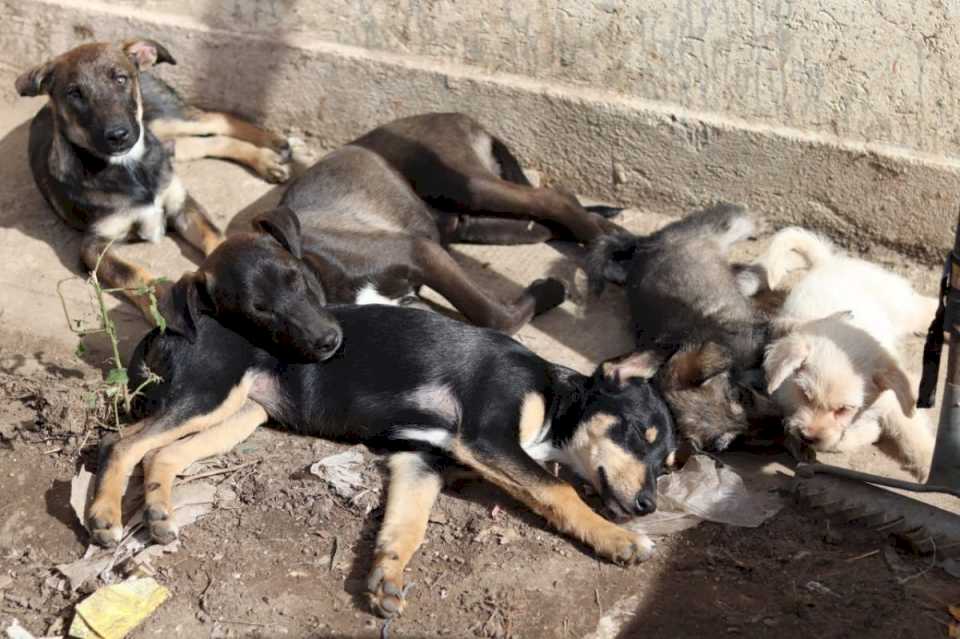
[117, 135]
[809, 438]
[328, 343]
[644, 504]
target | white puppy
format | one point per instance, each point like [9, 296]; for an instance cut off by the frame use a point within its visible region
[834, 366]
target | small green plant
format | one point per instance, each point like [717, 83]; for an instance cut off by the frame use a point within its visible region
[115, 388]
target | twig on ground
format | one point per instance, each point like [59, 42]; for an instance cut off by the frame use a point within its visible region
[863, 556]
[220, 471]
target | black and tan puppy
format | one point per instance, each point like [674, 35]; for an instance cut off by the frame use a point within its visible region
[97, 155]
[376, 215]
[694, 328]
[432, 390]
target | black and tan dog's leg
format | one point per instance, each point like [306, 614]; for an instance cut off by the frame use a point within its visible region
[414, 487]
[199, 122]
[162, 466]
[557, 502]
[443, 274]
[116, 272]
[547, 205]
[104, 516]
[269, 164]
[192, 223]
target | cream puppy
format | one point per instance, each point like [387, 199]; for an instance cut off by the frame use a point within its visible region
[834, 366]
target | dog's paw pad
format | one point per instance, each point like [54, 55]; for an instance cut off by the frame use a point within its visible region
[162, 529]
[386, 595]
[272, 167]
[103, 534]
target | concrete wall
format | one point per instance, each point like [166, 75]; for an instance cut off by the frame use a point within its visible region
[833, 113]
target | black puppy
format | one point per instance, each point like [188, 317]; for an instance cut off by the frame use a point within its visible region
[434, 390]
[97, 153]
[694, 328]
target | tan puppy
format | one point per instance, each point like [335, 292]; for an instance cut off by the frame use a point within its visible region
[834, 366]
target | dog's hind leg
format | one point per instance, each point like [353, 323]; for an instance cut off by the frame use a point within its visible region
[104, 517]
[267, 163]
[442, 273]
[493, 195]
[197, 122]
[414, 486]
[162, 466]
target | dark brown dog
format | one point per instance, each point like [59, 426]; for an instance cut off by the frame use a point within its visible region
[375, 217]
[97, 155]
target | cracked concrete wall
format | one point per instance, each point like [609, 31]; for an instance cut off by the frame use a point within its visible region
[873, 71]
[831, 113]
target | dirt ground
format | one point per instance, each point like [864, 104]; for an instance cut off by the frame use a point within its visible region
[289, 556]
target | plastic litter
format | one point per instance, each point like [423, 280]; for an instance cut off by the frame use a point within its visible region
[705, 490]
[113, 611]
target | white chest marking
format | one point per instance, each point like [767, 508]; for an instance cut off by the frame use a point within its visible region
[438, 437]
[370, 295]
[133, 155]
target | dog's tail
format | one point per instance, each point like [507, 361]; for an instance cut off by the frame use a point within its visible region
[790, 249]
[609, 258]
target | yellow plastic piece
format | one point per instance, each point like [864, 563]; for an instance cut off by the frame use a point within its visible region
[113, 611]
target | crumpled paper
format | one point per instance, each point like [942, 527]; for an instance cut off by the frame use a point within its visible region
[705, 490]
[190, 502]
[113, 611]
[342, 472]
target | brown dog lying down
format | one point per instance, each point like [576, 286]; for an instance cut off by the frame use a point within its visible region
[374, 217]
[697, 333]
[98, 156]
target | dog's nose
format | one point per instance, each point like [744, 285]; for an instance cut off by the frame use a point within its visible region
[644, 505]
[328, 344]
[117, 135]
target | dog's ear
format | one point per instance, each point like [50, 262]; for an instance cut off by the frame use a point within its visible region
[892, 377]
[145, 53]
[618, 372]
[689, 368]
[183, 304]
[284, 225]
[782, 359]
[36, 81]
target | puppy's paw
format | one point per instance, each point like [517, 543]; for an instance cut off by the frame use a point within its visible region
[105, 531]
[547, 293]
[625, 547]
[385, 588]
[162, 529]
[750, 280]
[272, 167]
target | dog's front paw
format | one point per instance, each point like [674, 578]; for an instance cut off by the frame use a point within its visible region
[547, 293]
[162, 529]
[272, 167]
[104, 525]
[385, 588]
[625, 547]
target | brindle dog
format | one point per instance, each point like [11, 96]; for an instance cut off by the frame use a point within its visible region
[98, 156]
